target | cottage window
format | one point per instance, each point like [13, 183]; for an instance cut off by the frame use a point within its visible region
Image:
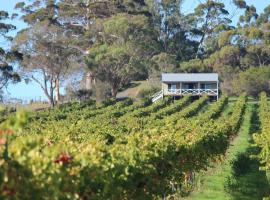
[172, 87]
[207, 86]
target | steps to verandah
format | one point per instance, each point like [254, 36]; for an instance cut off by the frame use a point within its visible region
[157, 96]
[237, 177]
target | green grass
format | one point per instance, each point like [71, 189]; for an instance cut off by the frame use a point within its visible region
[237, 177]
[135, 87]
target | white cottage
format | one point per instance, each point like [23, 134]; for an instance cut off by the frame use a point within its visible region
[195, 84]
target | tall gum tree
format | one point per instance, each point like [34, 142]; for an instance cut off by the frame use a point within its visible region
[173, 28]
[47, 58]
[209, 19]
[7, 57]
[48, 53]
[80, 17]
[121, 53]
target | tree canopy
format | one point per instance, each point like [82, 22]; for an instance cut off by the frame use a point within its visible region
[7, 57]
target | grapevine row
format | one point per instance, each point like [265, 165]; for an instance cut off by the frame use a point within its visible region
[262, 140]
[143, 164]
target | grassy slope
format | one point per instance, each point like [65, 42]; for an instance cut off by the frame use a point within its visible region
[223, 182]
[133, 90]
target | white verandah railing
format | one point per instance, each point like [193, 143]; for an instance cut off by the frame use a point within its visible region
[191, 91]
[157, 96]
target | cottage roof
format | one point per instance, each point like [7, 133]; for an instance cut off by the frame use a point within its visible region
[189, 77]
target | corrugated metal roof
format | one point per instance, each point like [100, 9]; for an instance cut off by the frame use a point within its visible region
[189, 77]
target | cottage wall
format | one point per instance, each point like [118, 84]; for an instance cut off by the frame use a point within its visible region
[164, 86]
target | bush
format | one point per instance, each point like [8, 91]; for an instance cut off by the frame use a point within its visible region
[108, 102]
[253, 81]
[83, 94]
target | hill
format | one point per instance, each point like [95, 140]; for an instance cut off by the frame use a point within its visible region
[133, 90]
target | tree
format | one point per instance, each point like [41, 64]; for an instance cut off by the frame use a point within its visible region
[249, 18]
[248, 46]
[45, 44]
[80, 17]
[47, 57]
[195, 66]
[209, 19]
[173, 28]
[162, 62]
[7, 73]
[127, 40]
[253, 81]
[265, 16]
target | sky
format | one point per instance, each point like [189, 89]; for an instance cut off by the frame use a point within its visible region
[33, 91]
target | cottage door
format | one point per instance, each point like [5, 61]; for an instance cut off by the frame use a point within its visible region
[173, 87]
[191, 86]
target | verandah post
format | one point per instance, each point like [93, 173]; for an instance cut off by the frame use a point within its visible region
[217, 90]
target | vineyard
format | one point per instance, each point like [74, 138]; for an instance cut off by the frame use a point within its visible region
[120, 150]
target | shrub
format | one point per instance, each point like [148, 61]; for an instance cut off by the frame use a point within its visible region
[83, 94]
[253, 81]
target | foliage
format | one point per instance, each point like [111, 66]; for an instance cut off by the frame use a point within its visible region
[173, 28]
[7, 57]
[101, 91]
[114, 162]
[127, 40]
[210, 19]
[47, 56]
[83, 94]
[241, 165]
[160, 63]
[253, 81]
[230, 50]
[195, 66]
[262, 138]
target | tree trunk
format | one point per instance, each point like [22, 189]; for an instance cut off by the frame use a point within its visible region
[90, 81]
[51, 95]
[57, 91]
[50, 98]
[199, 46]
[114, 91]
[51, 102]
[47, 91]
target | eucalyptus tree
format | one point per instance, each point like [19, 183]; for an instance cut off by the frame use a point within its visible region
[48, 55]
[209, 19]
[249, 17]
[7, 57]
[173, 28]
[251, 40]
[264, 17]
[241, 49]
[47, 58]
[80, 17]
[126, 44]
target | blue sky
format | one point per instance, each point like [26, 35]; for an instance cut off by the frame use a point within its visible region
[32, 91]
